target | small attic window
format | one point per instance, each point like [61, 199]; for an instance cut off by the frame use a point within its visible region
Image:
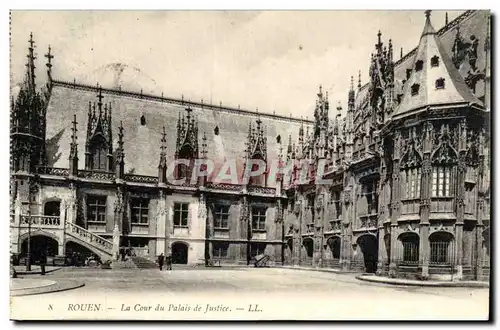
[419, 65]
[143, 120]
[440, 83]
[216, 130]
[400, 97]
[278, 139]
[414, 89]
[434, 61]
[408, 73]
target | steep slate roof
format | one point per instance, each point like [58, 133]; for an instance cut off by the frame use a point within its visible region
[142, 143]
[455, 90]
[473, 22]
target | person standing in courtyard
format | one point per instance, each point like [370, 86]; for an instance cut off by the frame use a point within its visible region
[169, 262]
[161, 259]
[43, 262]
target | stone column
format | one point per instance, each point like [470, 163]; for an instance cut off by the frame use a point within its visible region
[425, 201]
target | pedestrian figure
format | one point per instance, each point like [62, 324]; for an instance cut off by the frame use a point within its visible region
[169, 262]
[161, 259]
[43, 262]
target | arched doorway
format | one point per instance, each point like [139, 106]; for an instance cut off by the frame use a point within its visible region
[39, 244]
[369, 248]
[52, 208]
[308, 250]
[334, 246]
[179, 253]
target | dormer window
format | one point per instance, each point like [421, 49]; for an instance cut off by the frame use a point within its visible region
[440, 83]
[434, 61]
[278, 139]
[216, 130]
[414, 89]
[143, 120]
[408, 73]
[419, 65]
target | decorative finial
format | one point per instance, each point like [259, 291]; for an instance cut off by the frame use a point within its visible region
[359, 79]
[401, 53]
[352, 83]
[446, 19]
[428, 14]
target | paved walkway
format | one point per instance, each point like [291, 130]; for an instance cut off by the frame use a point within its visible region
[402, 281]
[30, 286]
[327, 270]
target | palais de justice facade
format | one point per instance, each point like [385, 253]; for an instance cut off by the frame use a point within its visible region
[409, 166]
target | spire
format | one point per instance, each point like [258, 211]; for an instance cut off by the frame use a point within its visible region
[204, 146]
[30, 66]
[434, 80]
[446, 19]
[162, 166]
[359, 79]
[401, 53]
[301, 131]
[428, 29]
[351, 91]
[49, 57]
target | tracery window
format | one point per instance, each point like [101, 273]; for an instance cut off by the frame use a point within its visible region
[413, 179]
[441, 181]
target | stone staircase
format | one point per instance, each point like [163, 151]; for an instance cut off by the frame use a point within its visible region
[127, 264]
[95, 243]
[143, 263]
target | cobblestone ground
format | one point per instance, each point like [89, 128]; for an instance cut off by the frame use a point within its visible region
[267, 282]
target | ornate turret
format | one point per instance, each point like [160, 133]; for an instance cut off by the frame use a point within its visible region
[99, 144]
[187, 143]
[28, 121]
[256, 149]
[73, 153]
[434, 79]
[320, 139]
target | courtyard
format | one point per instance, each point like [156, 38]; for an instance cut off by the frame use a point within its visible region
[280, 293]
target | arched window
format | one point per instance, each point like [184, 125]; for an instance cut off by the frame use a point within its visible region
[183, 170]
[411, 245]
[99, 155]
[334, 245]
[441, 244]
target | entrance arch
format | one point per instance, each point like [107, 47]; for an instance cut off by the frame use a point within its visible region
[369, 247]
[40, 244]
[180, 253]
[334, 246]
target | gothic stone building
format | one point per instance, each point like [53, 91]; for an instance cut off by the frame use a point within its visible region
[399, 186]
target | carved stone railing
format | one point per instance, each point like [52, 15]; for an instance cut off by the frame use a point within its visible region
[368, 220]
[262, 190]
[53, 171]
[40, 221]
[335, 225]
[109, 176]
[223, 186]
[141, 178]
[89, 237]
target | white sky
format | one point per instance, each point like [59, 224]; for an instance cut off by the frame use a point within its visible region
[273, 60]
